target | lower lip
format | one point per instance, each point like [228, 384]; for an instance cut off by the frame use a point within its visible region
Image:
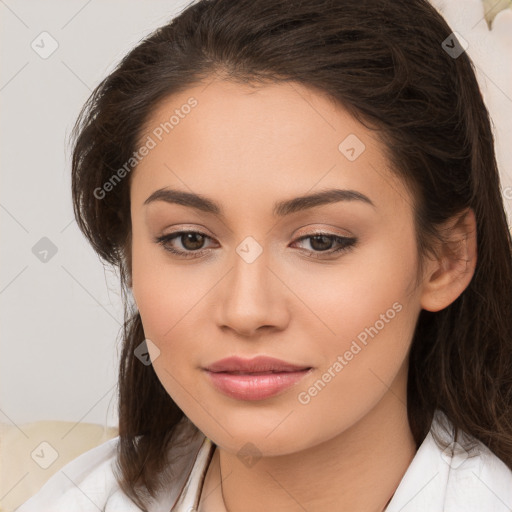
[255, 387]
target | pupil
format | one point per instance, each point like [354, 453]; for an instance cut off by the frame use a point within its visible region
[319, 237]
[190, 236]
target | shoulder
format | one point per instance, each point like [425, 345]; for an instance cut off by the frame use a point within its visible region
[478, 480]
[88, 483]
[453, 476]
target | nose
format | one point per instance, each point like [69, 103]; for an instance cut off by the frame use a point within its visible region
[252, 299]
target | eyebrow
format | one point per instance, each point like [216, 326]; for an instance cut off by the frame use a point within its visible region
[281, 208]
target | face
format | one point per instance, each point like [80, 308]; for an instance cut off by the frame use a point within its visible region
[329, 287]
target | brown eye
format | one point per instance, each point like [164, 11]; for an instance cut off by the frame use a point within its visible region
[191, 242]
[323, 243]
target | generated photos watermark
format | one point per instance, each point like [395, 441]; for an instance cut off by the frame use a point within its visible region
[304, 397]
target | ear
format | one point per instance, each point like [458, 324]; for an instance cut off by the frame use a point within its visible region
[448, 275]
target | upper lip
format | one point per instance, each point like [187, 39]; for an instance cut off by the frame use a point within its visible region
[257, 364]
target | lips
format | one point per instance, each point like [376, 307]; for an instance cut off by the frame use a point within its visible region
[254, 379]
[259, 365]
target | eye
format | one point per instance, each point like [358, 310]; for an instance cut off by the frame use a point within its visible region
[323, 242]
[192, 243]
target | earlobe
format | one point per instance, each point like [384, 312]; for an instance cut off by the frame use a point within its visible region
[448, 276]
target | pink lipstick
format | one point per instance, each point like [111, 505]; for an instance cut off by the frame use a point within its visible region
[254, 379]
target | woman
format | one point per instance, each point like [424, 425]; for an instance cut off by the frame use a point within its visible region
[303, 202]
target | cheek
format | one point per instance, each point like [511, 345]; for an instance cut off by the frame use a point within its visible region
[366, 314]
[161, 291]
[166, 303]
[155, 295]
[359, 364]
[366, 287]
[170, 298]
[152, 293]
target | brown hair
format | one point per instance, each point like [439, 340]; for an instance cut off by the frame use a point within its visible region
[385, 62]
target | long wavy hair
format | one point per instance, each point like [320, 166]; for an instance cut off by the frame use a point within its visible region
[389, 64]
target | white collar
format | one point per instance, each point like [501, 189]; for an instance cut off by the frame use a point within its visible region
[452, 480]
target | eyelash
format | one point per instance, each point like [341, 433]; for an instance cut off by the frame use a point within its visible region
[347, 244]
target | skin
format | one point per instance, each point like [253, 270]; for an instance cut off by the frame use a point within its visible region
[247, 148]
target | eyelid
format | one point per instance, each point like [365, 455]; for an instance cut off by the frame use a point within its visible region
[324, 231]
[196, 228]
[331, 231]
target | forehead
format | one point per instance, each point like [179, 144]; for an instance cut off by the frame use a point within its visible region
[278, 114]
[278, 139]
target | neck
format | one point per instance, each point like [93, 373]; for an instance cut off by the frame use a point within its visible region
[360, 468]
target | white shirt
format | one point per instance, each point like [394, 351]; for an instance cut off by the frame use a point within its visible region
[435, 481]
